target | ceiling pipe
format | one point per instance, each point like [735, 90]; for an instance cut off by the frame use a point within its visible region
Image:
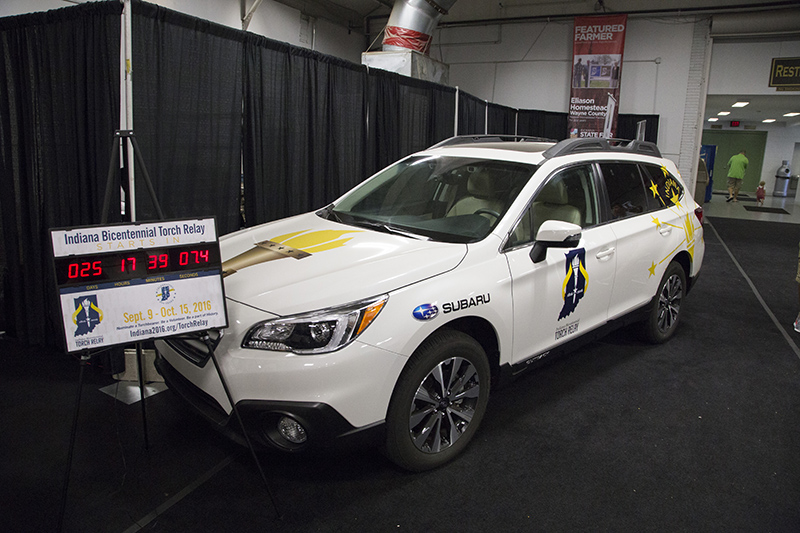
[412, 22]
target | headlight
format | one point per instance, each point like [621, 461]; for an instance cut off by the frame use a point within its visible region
[317, 332]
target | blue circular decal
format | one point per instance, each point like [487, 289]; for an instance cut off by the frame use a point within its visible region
[426, 312]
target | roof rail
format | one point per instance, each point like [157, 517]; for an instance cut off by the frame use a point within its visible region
[577, 146]
[469, 139]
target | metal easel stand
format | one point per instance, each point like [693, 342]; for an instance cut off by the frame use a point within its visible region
[112, 184]
[210, 345]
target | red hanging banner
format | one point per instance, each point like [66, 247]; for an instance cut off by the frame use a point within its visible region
[597, 48]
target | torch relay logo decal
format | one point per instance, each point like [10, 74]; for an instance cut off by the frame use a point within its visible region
[299, 245]
[575, 282]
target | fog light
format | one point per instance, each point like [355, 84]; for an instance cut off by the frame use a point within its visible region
[291, 430]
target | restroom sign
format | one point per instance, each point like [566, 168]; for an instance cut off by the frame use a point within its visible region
[785, 73]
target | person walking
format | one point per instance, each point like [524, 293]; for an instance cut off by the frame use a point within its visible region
[737, 165]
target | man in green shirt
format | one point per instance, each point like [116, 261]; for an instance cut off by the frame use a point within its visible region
[737, 165]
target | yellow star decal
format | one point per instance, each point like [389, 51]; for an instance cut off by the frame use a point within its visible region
[675, 201]
[656, 221]
[654, 188]
[652, 269]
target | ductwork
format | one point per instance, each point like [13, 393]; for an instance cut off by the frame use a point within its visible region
[412, 22]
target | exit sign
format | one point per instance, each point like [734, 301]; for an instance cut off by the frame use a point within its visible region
[734, 123]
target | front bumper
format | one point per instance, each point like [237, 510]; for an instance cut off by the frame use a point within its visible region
[326, 428]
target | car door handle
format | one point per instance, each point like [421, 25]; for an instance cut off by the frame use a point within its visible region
[665, 230]
[605, 255]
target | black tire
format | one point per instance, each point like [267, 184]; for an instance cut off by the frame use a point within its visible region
[428, 424]
[665, 313]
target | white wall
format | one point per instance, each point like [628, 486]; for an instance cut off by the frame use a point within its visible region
[743, 68]
[528, 66]
[272, 19]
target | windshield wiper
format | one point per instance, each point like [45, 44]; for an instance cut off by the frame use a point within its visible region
[387, 228]
[329, 214]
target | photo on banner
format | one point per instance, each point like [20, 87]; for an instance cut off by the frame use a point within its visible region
[598, 45]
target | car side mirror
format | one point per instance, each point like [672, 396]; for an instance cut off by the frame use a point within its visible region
[554, 234]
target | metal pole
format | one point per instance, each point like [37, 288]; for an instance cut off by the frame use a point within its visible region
[455, 125]
[127, 101]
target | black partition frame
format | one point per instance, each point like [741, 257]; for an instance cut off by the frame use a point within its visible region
[224, 119]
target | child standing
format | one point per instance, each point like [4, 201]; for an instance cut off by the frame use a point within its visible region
[761, 193]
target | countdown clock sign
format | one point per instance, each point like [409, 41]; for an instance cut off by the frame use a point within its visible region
[133, 282]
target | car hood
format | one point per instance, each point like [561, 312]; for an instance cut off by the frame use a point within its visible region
[306, 263]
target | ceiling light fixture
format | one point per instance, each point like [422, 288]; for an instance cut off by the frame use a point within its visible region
[713, 119]
[790, 114]
[740, 104]
[724, 113]
[768, 120]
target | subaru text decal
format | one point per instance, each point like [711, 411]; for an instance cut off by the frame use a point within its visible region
[575, 282]
[466, 303]
[426, 312]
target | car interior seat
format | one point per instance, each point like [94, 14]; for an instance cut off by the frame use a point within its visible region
[480, 195]
[552, 203]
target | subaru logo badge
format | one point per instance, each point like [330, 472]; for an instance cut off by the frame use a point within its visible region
[426, 312]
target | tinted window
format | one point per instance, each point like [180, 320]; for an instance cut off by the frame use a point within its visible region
[626, 192]
[663, 189]
[568, 196]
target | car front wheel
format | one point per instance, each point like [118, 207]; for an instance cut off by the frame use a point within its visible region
[438, 403]
[666, 310]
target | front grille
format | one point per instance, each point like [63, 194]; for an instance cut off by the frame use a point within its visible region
[193, 348]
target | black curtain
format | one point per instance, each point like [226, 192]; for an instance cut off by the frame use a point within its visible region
[626, 127]
[59, 108]
[407, 115]
[502, 119]
[187, 101]
[305, 129]
[471, 114]
[546, 124]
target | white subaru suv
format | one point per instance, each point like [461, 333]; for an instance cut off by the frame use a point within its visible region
[389, 313]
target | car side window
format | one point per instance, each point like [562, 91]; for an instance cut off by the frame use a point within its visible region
[626, 193]
[663, 189]
[569, 196]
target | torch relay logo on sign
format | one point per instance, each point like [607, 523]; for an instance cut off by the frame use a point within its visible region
[87, 315]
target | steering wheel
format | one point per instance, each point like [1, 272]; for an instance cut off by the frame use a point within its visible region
[495, 214]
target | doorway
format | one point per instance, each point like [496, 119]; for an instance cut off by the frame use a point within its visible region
[730, 143]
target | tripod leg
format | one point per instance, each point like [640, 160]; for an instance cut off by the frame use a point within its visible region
[140, 366]
[147, 181]
[241, 424]
[84, 362]
[113, 167]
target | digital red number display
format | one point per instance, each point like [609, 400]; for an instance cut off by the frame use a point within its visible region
[126, 265]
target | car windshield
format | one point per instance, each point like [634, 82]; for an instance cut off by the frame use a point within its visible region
[449, 199]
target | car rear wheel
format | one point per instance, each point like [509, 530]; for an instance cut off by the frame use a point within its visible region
[438, 403]
[666, 310]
